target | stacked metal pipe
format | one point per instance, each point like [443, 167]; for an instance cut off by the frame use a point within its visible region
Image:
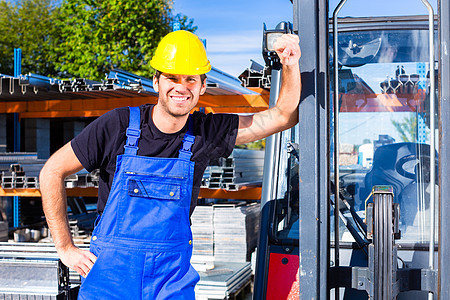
[20, 170]
[243, 168]
[10, 85]
[224, 281]
[203, 230]
[236, 229]
[33, 271]
[82, 179]
[227, 231]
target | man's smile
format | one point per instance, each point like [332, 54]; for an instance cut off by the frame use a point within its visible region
[179, 98]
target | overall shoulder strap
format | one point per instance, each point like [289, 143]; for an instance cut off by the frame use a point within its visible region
[188, 140]
[133, 131]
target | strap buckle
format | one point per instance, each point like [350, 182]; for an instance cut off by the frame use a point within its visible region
[133, 136]
[185, 151]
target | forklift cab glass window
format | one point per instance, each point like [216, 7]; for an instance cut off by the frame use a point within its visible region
[287, 207]
[355, 8]
[384, 135]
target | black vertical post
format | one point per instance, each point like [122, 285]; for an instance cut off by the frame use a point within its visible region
[444, 155]
[311, 23]
[272, 149]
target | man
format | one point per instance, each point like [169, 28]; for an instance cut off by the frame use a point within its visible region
[151, 162]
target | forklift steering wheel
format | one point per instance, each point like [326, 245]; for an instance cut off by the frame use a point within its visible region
[409, 165]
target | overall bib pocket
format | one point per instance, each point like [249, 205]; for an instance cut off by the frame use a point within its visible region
[149, 209]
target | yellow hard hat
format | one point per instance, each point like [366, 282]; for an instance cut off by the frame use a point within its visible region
[181, 52]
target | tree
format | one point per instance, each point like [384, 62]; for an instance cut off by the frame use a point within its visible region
[97, 36]
[257, 145]
[407, 128]
[29, 25]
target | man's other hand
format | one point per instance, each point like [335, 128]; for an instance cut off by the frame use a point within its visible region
[78, 259]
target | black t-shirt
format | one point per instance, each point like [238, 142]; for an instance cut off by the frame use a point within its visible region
[98, 145]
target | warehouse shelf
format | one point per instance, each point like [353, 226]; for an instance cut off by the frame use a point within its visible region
[245, 193]
[36, 101]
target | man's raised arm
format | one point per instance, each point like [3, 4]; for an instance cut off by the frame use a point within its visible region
[284, 114]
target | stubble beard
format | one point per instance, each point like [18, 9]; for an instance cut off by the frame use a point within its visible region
[174, 112]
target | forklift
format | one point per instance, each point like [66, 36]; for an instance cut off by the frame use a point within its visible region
[353, 201]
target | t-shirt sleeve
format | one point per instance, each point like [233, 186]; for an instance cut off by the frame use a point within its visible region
[95, 146]
[233, 126]
[222, 130]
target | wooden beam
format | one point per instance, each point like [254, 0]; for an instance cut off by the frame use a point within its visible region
[251, 193]
[20, 192]
[84, 192]
[63, 114]
[71, 192]
[234, 109]
[233, 100]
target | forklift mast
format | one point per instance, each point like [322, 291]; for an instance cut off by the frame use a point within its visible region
[353, 206]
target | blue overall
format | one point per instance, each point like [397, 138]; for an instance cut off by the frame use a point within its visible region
[143, 241]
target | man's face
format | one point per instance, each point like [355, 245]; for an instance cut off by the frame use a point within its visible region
[178, 94]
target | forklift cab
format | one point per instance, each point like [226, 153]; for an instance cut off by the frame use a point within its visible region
[358, 195]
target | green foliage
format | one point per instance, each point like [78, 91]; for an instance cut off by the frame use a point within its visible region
[407, 128]
[29, 25]
[84, 38]
[97, 36]
[257, 145]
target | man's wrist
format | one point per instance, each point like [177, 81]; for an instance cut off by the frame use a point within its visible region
[64, 247]
[292, 66]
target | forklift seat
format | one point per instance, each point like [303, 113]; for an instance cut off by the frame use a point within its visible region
[405, 167]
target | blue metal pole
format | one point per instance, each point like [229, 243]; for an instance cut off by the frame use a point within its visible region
[16, 211]
[17, 62]
[16, 133]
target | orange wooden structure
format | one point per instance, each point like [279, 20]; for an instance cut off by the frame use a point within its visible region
[94, 104]
[247, 193]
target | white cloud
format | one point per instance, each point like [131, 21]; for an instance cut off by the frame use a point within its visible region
[249, 41]
[232, 52]
[233, 64]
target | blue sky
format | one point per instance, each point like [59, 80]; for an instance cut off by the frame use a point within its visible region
[233, 29]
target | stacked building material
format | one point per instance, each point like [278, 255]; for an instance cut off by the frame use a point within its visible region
[243, 168]
[203, 230]
[82, 179]
[223, 281]
[33, 271]
[10, 85]
[20, 170]
[256, 76]
[22, 176]
[235, 231]
[3, 231]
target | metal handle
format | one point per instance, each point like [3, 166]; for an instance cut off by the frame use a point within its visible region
[272, 151]
[432, 129]
[336, 135]
[432, 136]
